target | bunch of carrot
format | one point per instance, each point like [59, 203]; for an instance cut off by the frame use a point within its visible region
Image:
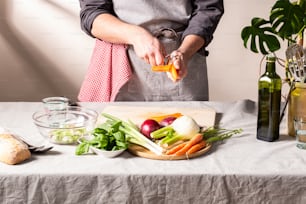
[196, 143]
[201, 140]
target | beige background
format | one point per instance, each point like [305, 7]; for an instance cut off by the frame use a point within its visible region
[45, 53]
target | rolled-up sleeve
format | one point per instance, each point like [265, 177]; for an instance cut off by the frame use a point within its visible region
[90, 9]
[205, 18]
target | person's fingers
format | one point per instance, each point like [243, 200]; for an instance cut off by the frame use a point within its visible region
[146, 59]
[159, 58]
[152, 61]
[176, 56]
[157, 55]
[179, 63]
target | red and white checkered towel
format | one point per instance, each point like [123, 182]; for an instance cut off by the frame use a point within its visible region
[108, 71]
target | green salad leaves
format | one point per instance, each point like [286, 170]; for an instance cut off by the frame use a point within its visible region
[106, 136]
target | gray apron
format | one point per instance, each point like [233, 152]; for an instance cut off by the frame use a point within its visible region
[146, 85]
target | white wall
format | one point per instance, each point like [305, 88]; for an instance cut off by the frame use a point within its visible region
[45, 53]
[233, 69]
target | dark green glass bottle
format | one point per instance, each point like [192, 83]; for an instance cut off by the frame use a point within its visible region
[269, 100]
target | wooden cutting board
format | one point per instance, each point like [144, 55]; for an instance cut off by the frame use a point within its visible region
[143, 152]
[205, 117]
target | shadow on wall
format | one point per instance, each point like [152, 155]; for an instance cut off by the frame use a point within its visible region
[34, 60]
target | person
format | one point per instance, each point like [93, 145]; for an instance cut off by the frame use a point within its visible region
[154, 33]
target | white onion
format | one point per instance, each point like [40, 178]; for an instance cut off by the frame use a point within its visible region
[186, 126]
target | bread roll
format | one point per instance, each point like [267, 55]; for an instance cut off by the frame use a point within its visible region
[12, 150]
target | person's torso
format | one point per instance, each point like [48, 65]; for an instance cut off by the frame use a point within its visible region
[154, 14]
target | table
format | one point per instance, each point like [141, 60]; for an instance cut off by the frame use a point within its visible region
[239, 170]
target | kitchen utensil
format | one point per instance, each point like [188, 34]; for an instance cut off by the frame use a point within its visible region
[33, 147]
[296, 65]
[296, 62]
[286, 102]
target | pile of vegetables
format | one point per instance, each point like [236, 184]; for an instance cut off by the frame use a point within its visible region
[182, 135]
[181, 128]
[173, 134]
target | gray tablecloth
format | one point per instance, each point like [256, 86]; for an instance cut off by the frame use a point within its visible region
[239, 170]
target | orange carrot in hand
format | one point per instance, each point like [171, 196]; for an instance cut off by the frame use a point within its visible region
[174, 73]
[166, 68]
[162, 68]
[194, 140]
[175, 149]
[197, 147]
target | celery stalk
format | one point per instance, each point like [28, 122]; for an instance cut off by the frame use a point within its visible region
[162, 132]
[171, 140]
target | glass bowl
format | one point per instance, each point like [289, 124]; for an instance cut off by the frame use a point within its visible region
[65, 126]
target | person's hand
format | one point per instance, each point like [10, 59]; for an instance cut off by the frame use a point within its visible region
[180, 64]
[148, 48]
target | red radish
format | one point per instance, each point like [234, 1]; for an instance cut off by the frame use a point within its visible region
[149, 126]
[167, 121]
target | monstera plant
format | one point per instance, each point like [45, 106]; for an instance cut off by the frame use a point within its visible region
[286, 22]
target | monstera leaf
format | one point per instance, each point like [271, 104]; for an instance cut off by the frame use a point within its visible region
[260, 33]
[286, 18]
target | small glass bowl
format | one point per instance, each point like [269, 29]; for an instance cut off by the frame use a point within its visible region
[65, 126]
[55, 103]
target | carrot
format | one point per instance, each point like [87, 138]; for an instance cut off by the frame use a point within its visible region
[197, 147]
[159, 118]
[194, 140]
[175, 149]
[162, 68]
[166, 68]
[174, 73]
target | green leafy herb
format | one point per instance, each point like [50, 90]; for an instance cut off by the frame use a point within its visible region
[107, 136]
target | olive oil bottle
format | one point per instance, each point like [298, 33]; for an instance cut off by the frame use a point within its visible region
[269, 100]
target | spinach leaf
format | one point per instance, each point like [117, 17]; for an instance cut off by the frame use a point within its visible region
[107, 136]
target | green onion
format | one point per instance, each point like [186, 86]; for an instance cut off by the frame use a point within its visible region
[214, 134]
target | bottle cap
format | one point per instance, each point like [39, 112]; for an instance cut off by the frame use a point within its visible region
[270, 57]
